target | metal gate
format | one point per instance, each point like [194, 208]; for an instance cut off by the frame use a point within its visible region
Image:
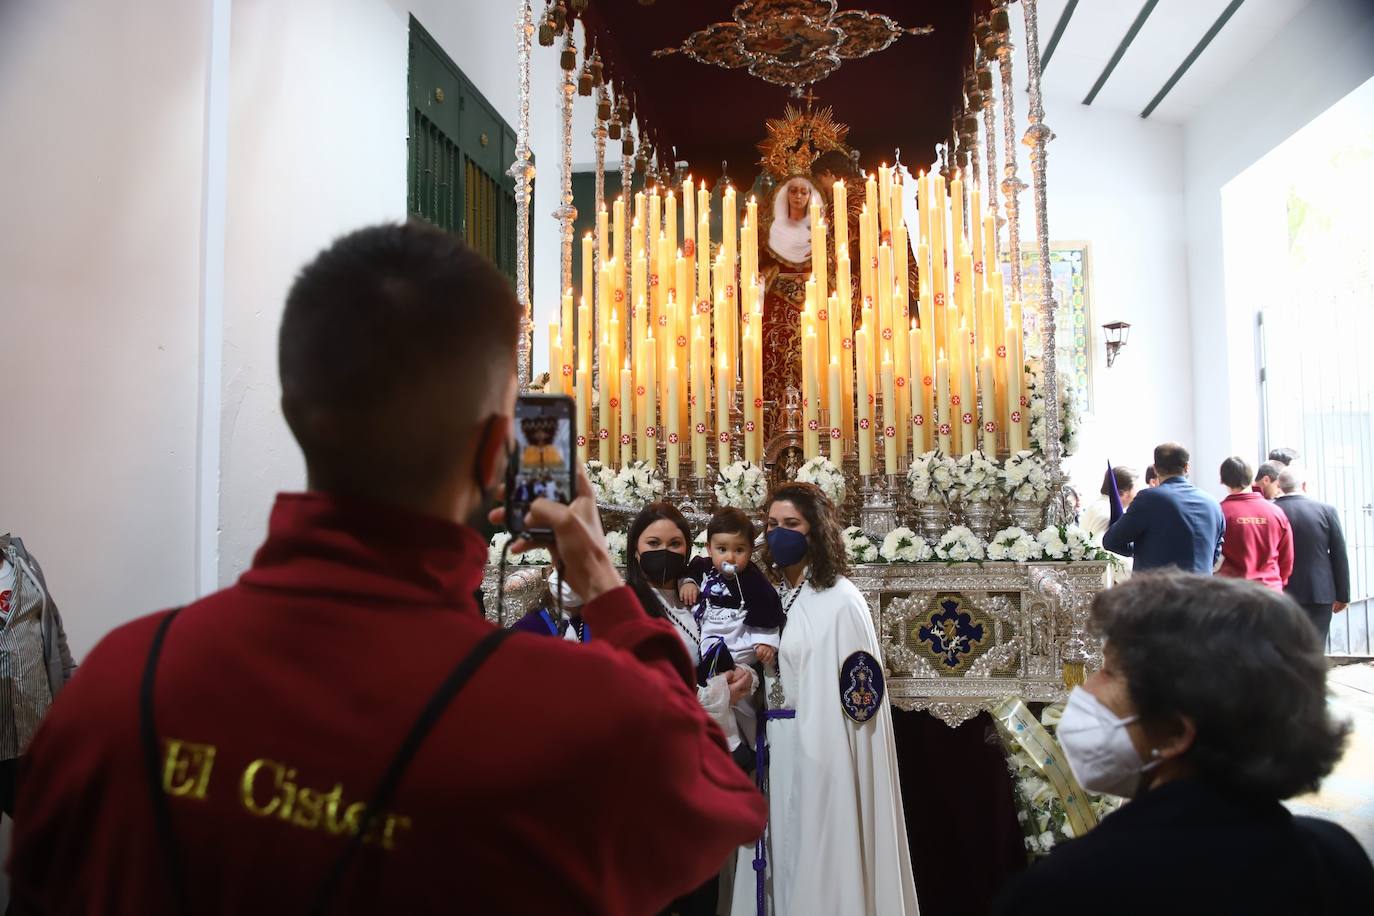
[1318, 394]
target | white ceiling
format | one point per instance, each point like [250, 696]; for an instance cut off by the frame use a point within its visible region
[1163, 42]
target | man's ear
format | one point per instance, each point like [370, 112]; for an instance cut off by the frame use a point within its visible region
[492, 450]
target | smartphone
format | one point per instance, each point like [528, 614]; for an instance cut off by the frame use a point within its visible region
[545, 460]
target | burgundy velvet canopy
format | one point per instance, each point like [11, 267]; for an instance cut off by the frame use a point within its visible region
[902, 97]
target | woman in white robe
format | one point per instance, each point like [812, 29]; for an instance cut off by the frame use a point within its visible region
[836, 840]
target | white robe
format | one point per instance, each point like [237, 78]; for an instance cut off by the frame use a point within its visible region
[836, 833]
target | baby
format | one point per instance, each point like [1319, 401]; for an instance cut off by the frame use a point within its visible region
[738, 610]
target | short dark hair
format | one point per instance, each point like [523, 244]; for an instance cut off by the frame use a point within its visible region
[1283, 455]
[1267, 470]
[394, 343]
[1171, 459]
[730, 520]
[1235, 472]
[833, 161]
[1240, 660]
[1151, 475]
[1125, 481]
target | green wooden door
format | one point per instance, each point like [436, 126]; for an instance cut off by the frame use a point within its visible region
[460, 149]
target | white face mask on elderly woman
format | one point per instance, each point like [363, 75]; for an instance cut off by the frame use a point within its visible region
[1098, 747]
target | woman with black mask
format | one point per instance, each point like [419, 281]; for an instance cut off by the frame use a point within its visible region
[655, 559]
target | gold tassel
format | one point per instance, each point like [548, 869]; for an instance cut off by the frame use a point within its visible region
[1073, 674]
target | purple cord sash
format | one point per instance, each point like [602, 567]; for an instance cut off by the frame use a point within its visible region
[761, 779]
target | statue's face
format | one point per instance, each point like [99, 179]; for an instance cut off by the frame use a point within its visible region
[798, 196]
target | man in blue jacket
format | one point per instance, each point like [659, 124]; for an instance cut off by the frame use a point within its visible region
[1171, 524]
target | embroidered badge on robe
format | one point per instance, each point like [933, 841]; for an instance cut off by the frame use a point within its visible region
[861, 686]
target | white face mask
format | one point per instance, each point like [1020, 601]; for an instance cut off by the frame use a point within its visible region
[1098, 747]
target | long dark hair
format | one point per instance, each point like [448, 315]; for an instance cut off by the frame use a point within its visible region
[634, 576]
[825, 542]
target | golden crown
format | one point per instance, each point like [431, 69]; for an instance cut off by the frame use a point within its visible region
[797, 138]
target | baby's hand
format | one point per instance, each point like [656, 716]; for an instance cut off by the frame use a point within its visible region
[688, 592]
[766, 654]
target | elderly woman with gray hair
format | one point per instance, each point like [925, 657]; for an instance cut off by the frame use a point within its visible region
[1209, 708]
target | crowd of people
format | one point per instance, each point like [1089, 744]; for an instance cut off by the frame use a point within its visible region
[343, 730]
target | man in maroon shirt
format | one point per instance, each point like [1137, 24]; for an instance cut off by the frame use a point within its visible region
[1258, 543]
[285, 745]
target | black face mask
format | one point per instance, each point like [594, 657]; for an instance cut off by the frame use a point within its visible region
[662, 567]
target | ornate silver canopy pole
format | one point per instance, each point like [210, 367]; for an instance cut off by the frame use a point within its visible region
[599, 133]
[1061, 507]
[566, 213]
[1011, 185]
[523, 173]
[990, 149]
[627, 156]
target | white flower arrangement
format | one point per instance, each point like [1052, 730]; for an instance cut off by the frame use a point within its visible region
[1069, 420]
[1070, 542]
[537, 556]
[636, 484]
[741, 485]
[1042, 817]
[959, 545]
[1023, 477]
[1053, 544]
[601, 478]
[615, 546]
[823, 473]
[931, 477]
[979, 477]
[1016, 544]
[858, 546]
[902, 545]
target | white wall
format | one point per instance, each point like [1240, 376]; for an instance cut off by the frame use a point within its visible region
[1116, 182]
[1319, 57]
[102, 109]
[317, 146]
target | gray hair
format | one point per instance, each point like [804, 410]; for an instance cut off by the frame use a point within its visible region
[1241, 661]
[1291, 479]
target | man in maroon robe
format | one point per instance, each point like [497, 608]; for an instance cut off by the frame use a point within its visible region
[250, 753]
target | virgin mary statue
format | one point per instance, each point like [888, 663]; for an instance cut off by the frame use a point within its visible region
[786, 266]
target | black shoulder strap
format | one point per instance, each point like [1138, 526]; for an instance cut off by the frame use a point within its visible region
[152, 758]
[386, 789]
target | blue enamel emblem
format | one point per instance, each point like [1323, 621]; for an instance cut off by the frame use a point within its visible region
[861, 686]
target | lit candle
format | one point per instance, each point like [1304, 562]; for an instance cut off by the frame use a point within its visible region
[584, 337]
[664, 333]
[674, 421]
[968, 409]
[670, 224]
[618, 227]
[701, 397]
[889, 418]
[1016, 380]
[810, 396]
[588, 265]
[987, 390]
[956, 210]
[555, 385]
[561, 374]
[942, 404]
[722, 414]
[864, 402]
[581, 414]
[885, 202]
[839, 215]
[627, 414]
[648, 423]
[603, 416]
[917, 390]
[836, 413]
[729, 219]
[603, 241]
[750, 392]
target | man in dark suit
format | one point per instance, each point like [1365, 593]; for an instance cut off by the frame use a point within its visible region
[1320, 581]
[1171, 524]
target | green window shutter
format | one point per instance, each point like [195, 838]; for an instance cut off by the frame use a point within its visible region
[459, 149]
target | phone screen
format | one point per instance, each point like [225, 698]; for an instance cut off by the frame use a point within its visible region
[545, 459]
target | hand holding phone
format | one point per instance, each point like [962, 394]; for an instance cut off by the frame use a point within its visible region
[544, 462]
[578, 545]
